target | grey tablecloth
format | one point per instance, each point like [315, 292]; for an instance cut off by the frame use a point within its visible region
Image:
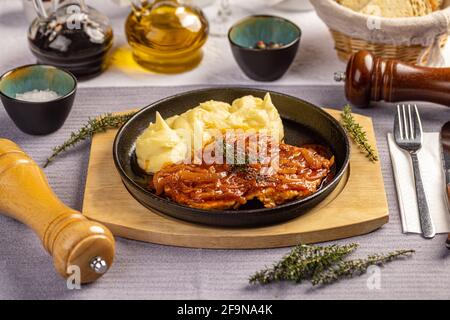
[147, 271]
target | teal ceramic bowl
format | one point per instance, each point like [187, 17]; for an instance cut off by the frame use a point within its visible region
[264, 64]
[38, 118]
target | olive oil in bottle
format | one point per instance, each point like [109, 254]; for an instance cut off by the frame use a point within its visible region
[165, 36]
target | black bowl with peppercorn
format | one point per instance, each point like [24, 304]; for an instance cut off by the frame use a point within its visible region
[264, 46]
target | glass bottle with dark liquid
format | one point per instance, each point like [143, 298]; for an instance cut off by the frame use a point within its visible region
[74, 37]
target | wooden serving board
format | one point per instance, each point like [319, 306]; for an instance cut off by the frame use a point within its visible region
[357, 206]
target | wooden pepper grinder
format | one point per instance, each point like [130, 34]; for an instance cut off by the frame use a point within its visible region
[66, 234]
[370, 79]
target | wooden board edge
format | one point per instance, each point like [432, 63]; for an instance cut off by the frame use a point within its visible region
[246, 243]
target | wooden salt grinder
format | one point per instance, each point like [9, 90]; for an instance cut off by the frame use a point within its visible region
[66, 234]
[370, 79]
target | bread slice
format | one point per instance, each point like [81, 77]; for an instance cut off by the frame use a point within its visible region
[436, 4]
[355, 5]
[392, 8]
[389, 8]
[421, 7]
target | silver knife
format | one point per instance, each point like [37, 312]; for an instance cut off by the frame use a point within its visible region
[445, 148]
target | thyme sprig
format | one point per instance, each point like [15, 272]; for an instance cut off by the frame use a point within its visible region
[356, 267]
[302, 263]
[322, 265]
[239, 161]
[93, 126]
[357, 133]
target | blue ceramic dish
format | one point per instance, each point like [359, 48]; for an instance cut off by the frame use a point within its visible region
[38, 118]
[264, 64]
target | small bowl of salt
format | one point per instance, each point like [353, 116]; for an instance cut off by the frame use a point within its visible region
[38, 98]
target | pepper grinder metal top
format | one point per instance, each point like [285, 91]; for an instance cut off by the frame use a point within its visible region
[99, 265]
[339, 76]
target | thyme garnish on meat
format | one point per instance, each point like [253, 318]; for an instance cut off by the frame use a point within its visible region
[93, 126]
[240, 161]
[322, 265]
[357, 133]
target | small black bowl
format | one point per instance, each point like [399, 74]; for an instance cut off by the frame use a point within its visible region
[264, 64]
[38, 118]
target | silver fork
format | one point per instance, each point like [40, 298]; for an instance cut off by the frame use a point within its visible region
[408, 136]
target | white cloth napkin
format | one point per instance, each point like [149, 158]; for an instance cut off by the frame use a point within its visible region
[433, 182]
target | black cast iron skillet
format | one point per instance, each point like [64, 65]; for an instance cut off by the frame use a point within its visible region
[303, 122]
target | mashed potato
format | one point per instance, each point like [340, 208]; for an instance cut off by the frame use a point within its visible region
[177, 138]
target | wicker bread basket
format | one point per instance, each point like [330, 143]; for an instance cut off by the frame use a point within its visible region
[408, 39]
